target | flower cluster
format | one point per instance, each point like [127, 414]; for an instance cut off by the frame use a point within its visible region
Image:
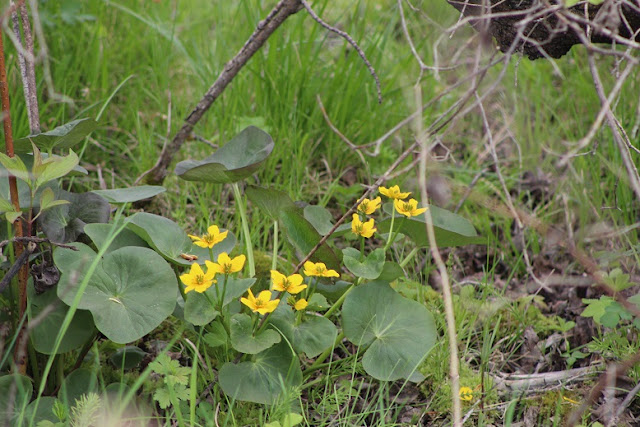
[407, 208]
[197, 280]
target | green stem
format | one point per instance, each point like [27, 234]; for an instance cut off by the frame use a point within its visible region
[274, 259]
[211, 255]
[245, 228]
[389, 240]
[224, 291]
[409, 256]
[361, 248]
[339, 302]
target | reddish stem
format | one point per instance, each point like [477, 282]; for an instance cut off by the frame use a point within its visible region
[20, 355]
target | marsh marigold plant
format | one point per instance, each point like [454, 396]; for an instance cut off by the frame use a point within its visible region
[292, 284]
[197, 280]
[368, 207]
[318, 269]
[262, 303]
[227, 265]
[364, 229]
[393, 192]
[408, 208]
[211, 238]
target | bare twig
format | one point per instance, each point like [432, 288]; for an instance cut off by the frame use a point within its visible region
[263, 31]
[349, 40]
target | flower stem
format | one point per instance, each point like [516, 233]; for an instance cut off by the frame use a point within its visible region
[211, 255]
[224, 291]
[389, 240]
[409, 256]
[245, 228]
[336, 305]
[361, 248]
[274, 260]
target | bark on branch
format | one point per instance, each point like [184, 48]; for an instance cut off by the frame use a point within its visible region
[545, 28]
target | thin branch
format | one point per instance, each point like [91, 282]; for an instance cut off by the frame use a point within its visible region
[263, 31]
[350, 40]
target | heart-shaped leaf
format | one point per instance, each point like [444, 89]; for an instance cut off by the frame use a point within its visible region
[390, 272]
[44, 334]
[131, 194]
[312, 336]
[100, 234]
[78, 382]
[15, 394]
[300, 232]
[62, 137]
[127, 357]
[129, 294]
[261, 380]
[171, 241]
[243, 339]
[320, 218]
[450, 229]
[43, 408]
[216, 336]
[368, 268]
[64, 223]
[399, 332]
[234, 161]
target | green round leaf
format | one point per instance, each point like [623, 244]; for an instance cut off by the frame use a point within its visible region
[130, 293]
[243, 339]
[131, 194]
[44, 411]
[450, 229]
[64, 223]
[261, 379]
[79, 382]
[320, 218]
[44, 334]
[127, 357]
[171, 241]
[234, 161]
[99, 234]
[368, 268]
[62, 137]
[216, 336]
[398, 331]
[15, 394]
[312, 336]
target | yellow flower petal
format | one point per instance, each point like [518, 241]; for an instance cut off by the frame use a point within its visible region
[466, 393]
[393, 192]
[301, 304]
[318, 269]
[368, 206]
[408, 208]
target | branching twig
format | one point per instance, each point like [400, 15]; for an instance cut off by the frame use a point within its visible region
[350, 40]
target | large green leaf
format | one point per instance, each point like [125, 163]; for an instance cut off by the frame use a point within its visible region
[298, 230]
[243, 339]
[15, 394]
[130, 293]
[131, 194]
[312, 336]
[261, 380]
[44, 334]
[43, 408]
[171, 241]
[79, 382]
[100, 234]
[369, 267]
[62, 137]
[234, 161]
[450, 229]
[398, 332]
[64, 223]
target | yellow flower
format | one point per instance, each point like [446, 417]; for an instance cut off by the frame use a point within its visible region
[393, 192]
[197, 280]
[318, 269]
[364, 229]
[466, 393]
[212, 238]
[301, 304]
[262, 304]
[368, 207]
[292, 284]
[409, 208]
[226, 265]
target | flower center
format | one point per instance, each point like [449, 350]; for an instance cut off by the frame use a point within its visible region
[208, 238]
[200, 279]
[259, 303]
[319, 270]
[227, 268]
